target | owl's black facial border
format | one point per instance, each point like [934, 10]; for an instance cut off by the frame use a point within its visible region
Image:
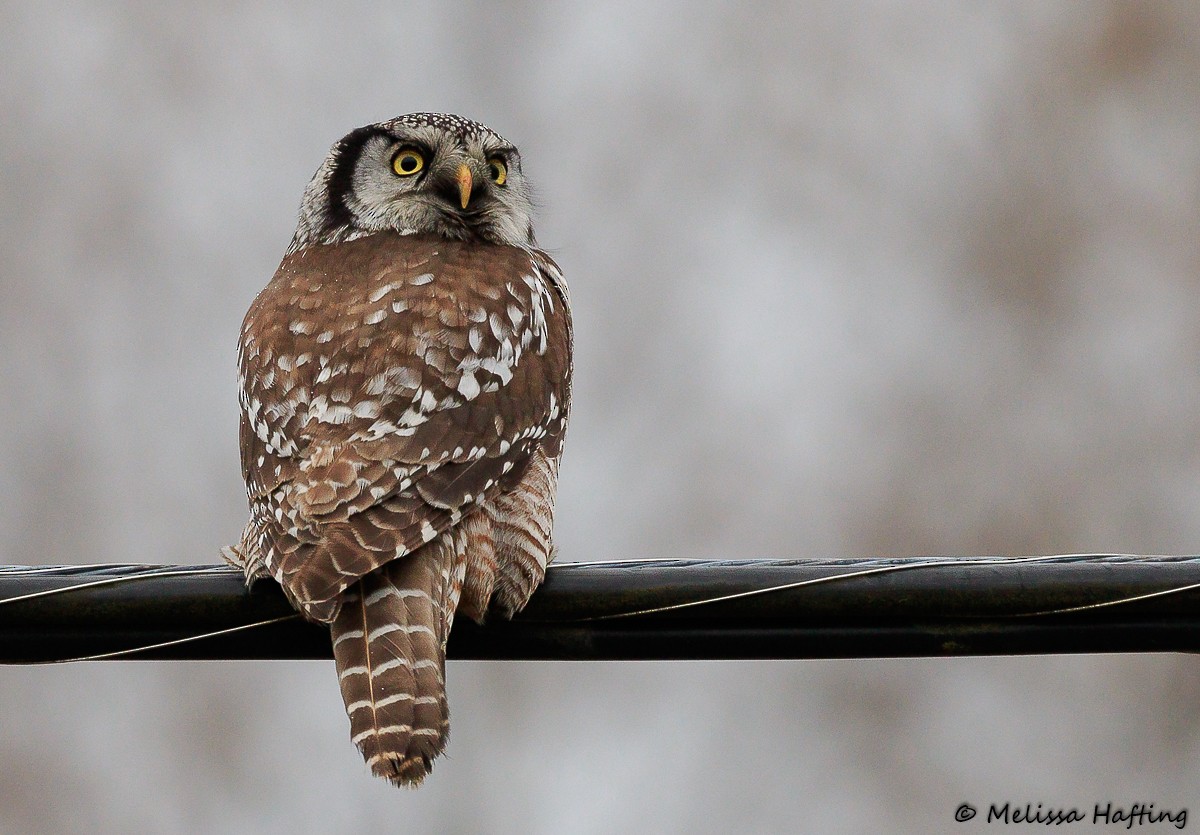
[341, 179]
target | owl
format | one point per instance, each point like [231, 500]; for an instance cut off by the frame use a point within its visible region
[405, 386]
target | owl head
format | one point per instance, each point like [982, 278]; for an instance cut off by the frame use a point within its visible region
[428, 173]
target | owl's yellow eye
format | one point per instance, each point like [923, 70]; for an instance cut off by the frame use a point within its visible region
[498, 170]
[408, 162]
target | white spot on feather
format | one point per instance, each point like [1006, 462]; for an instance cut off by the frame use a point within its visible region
[366, 409]
[468, 387]
[379, 292]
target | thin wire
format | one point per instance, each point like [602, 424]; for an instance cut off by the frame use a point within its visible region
[134, 650]
[886, 569]
[1103, 604]
[17, 570]
[989, 560]
[619, 562]
[942, 562]
[108, 581]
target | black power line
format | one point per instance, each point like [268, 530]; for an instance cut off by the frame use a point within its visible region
[649, 609]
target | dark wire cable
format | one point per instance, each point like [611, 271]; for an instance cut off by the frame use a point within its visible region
[647, 608]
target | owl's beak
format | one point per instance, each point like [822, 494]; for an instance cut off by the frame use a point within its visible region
[463, 178]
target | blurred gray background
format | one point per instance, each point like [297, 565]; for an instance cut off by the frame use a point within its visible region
[871, 279]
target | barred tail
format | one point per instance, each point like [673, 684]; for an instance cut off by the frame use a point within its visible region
[389, 648]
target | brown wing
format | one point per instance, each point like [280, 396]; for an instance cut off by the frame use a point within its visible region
[389, 384]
